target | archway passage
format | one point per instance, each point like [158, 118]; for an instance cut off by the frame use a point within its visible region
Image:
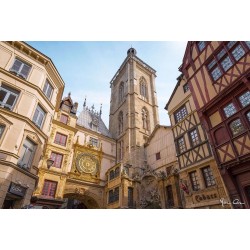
[78, 201]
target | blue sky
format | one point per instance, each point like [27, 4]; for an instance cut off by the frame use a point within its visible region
[88, 67]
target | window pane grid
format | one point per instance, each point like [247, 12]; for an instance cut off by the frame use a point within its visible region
[226, 63]
[216, 73]
[194, 181]
[194, 137]
[180, 115]
[238, 52]
[236, 127]
[21, 68]
[229, 110]
[226, 58]
[39, 116]
[181, 145]
[245, 99]
[8, 96]
[47, 89]
[208, 177]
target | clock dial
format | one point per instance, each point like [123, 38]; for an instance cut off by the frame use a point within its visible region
[86, 163]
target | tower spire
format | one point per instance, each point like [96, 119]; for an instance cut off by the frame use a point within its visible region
[84, 104]
[101, 110]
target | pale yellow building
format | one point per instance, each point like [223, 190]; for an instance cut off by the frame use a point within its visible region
[82, 151]
[30, 92]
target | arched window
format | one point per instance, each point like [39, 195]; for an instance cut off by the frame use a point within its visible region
[120, 123]
[120, 151]
[145, 121]
[117, 172]
[121, 92]
[143, 89]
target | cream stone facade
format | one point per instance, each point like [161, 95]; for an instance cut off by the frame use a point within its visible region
[30, 87]
[161, 156]
[200, 181]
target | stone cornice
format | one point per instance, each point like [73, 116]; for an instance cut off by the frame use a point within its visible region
[136, 59]
[10, 164]
[25, 119]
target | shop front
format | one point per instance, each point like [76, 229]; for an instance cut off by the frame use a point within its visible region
[14, 196]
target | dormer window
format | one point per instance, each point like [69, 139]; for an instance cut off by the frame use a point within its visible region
[66, 108]
[20, 68]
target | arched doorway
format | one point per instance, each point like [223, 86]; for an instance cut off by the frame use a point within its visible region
[80, 201]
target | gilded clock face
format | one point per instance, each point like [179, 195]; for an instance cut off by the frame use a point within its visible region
[86, 163]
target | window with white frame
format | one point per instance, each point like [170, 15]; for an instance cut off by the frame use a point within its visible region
[48, 89]
[20, 68]
[27, 154]
[230, 109]
[39, 116]
[180, 114]
[8, 96]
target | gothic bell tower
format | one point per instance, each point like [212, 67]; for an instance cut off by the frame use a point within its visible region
[133, 108]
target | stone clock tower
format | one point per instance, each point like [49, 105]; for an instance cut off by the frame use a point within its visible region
[133, 109]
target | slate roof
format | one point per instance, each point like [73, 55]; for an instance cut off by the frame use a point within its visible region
[89, 117]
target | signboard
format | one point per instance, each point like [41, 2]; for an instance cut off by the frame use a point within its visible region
[17, 189]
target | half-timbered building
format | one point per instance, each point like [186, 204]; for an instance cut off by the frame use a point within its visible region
[200, 181]
[219, 79]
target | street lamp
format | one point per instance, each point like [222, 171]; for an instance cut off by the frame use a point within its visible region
[49, 163]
